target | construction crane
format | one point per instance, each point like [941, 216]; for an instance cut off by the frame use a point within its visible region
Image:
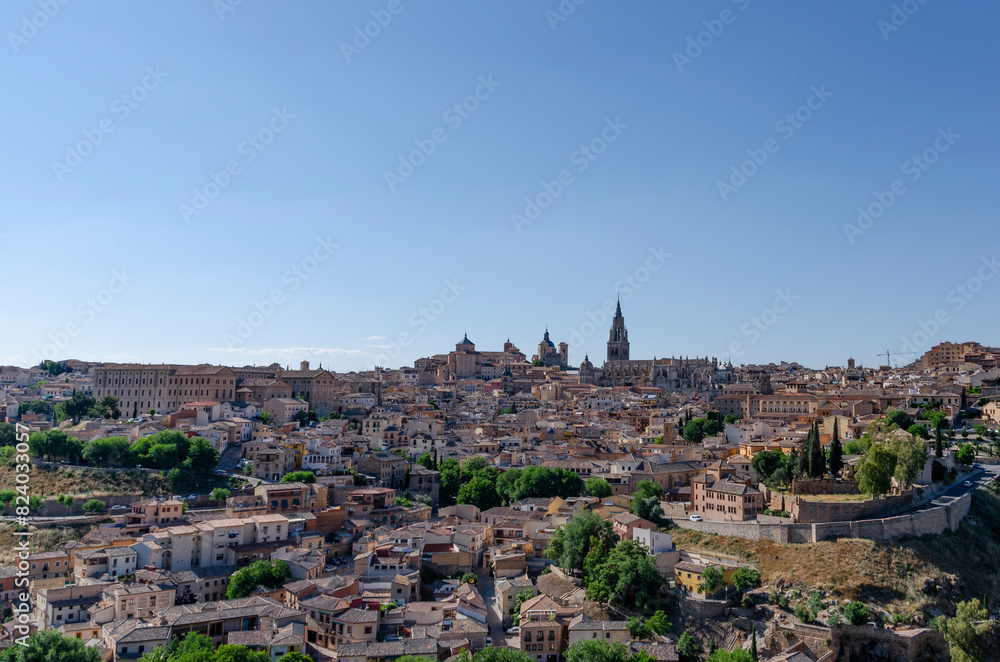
[888, 356]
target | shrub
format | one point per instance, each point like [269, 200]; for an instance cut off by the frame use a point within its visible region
[804, 614]
[857, 613]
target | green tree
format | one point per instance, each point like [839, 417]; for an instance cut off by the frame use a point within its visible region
[836, 460]
[50, 646]
[647, 488]
[269, 574]
[234, 653]
[966, 454]
[711, 580]
[106, 408]
[817, 460]
[754, 655]
[899, 418]
[481, 492]
[694, 431]
[875, 471]
[523, 596]
[938, 443]
[738, 655]
[597, 487]
[451, 480]
[856, 613]
[964, 632]
[628, 576]
[501, 654]
[65, 500]
[107, 452]
[201, 456]
[765, 463]
[8, 434]
[571, 543]
[299, 477]
[638, 628]
[78, 405]
[295, 656]
[911, 456]
[659, 624]
[472, 465]
[94, 506]
[219, 495]
[746, 578]
[265, 417]
[688, 648]
[648, 509]
[597, 650]
[426, 461]
[918, 430]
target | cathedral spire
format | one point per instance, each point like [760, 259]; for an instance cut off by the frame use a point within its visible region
[618, 311]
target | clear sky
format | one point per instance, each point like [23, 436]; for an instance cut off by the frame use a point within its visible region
[566, 157]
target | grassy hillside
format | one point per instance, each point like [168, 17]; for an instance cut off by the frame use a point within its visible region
[51, 481]
[927, 574]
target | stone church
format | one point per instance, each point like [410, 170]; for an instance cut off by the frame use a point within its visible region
[698, 375]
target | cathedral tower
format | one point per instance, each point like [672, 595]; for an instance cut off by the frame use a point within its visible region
[618, 339]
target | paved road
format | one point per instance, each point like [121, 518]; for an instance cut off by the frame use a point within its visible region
[978, 478]
[487, 589]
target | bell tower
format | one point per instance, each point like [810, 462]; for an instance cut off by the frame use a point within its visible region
[618, 338]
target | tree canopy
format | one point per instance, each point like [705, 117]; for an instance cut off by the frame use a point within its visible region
[571, 543]
[50, 646]
[270, 574]
[516, 484]
[627, 576]
[597, 487]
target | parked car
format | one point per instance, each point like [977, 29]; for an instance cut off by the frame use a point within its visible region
[514, 630]
[489, 640]
[119, 507]
[192, 497]
[696, 518]
[176, 497]
[967, 483]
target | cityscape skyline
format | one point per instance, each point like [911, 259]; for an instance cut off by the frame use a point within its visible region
[344, 190]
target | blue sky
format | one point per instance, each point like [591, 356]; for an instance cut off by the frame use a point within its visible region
[120, 116]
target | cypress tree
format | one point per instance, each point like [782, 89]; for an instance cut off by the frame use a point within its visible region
[938, 443]
[836, 454]
[817, 461]
[753, 642]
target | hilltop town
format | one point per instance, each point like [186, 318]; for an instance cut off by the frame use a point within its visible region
[489, 505]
